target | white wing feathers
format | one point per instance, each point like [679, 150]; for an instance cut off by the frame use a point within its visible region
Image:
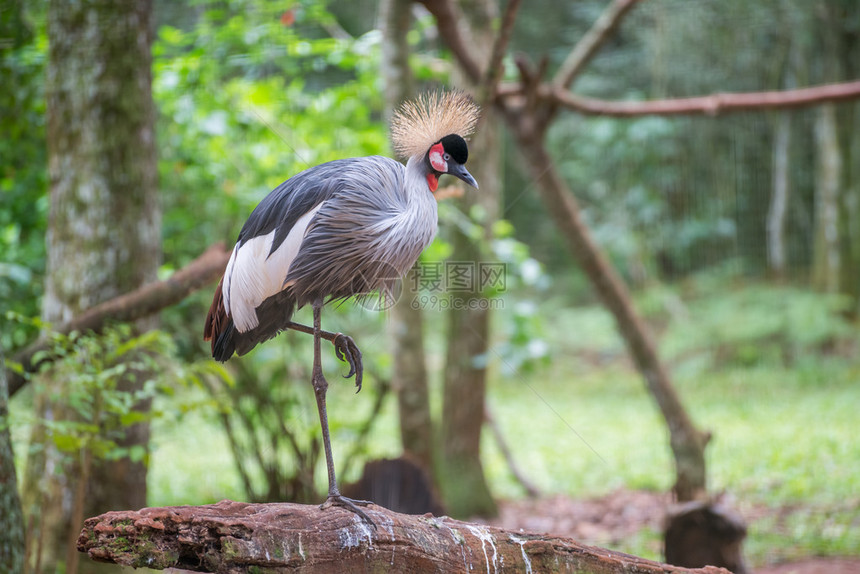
[253, 275]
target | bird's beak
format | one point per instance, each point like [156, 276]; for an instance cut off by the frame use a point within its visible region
[459, 171]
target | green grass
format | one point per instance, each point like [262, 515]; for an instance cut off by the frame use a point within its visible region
[580, 433]
[191, 463]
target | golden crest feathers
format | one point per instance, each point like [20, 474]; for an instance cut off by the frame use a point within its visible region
[420, 123]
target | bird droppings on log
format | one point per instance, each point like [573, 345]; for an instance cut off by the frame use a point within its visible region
[482, 534]
[526, 561]
[237, 537]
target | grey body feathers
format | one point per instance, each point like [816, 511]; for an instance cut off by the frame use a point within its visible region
[374, 217]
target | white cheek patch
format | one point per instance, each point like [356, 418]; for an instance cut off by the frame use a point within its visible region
[437, 162]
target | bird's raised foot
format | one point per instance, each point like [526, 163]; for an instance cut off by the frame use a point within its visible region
[349, 504]
[347, 351]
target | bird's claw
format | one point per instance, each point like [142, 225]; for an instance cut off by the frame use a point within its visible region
[349, 504]
[346, 350]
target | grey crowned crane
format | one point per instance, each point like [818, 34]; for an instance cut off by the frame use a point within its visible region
[336, 230]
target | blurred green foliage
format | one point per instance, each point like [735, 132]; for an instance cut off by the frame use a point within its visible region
[717, 319]
[99, 409]
[250, 93]
[760, 324]
[23, 169]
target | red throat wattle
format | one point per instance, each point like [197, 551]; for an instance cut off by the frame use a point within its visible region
[432, 181]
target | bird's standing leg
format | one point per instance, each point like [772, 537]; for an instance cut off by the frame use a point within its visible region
[320, 387]
[344, 347]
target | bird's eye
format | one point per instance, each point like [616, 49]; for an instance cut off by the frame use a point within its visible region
[446, 157]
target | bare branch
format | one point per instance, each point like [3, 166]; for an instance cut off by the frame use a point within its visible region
[708, 105]
[283, 537]
[142, 302]
[508, 89]
[335, 30]
[446, 23]
[589, 44]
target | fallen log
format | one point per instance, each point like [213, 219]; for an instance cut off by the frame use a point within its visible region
[237, 537]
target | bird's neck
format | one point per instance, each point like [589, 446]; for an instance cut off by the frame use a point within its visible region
[420, 179]
[420, 215]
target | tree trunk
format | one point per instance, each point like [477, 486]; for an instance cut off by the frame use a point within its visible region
[778, 209]
[409, 381]
[236, 537]
[11, 519]
[409, 378]
[16, 33]
[461, 474]
[104, 235]
[842, 47]
[850, 211]
[828, 182]
[396, 19]
[781, 164]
